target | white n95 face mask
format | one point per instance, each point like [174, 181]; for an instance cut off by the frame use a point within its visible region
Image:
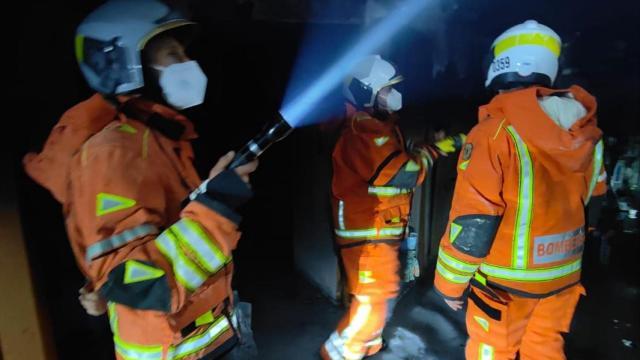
[183, 84]
[392, 101]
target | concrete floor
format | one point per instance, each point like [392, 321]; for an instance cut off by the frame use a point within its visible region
[290, 322]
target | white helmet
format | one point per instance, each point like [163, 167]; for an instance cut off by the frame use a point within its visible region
[110, 39]
[526, 54]
[367, 78]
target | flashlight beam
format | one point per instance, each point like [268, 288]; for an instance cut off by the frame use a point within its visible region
[295, 111]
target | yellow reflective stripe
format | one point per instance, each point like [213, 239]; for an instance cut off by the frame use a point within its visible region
[185, 271]
[485, 352]
[387, 190]
[127, 350]
[544, 274]
[539, 39]
[447, 145]
[456, 264]
[137, 352]
[369, 233]
[113, 317]
[481, 279]
[145, 144]
[198, 342]
[522, 231]
[358, 321]
[84, 154]
[451, 276]
[79, 48]
[499, 127]
[597, 165]
[394, 81]
[126, 128]
[162, 28]
[193, 237]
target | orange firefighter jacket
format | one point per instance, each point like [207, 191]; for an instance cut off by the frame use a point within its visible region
[373, 180]
[517, 218]
[121, 182]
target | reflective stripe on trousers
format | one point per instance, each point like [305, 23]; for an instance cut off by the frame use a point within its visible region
[370, 233]
[186, 347]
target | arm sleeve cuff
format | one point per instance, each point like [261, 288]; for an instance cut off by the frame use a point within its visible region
[223, 194]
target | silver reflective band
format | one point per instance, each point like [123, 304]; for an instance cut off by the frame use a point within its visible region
[341, 214]
[525, 203]
[370, 233]
[332, 344]
[387, 190]
[184, 270]
[104, 246]
[193, 237]
[200, 341]
[376, 341]
[486, 352]
[255, 148]
[531, 274]
[451, 276]
[137, 352]
[597, 165]
[455, 263]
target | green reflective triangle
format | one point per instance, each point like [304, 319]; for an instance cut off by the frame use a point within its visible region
[483, 322]
[454, 232]
[464, 165]
[206, 318]
[127, 128]
[135, 271]
[381, 140]
[108, 203]
[412, 166]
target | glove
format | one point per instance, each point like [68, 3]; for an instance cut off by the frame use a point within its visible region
[450, 144]
[412, 268]
[92, 302]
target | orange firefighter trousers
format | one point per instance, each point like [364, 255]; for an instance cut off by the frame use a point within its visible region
[500, 328]
[373, 280]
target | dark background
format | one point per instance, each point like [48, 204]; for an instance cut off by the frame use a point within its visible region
[249, 54]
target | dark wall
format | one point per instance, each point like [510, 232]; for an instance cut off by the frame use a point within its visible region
[248, 64]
